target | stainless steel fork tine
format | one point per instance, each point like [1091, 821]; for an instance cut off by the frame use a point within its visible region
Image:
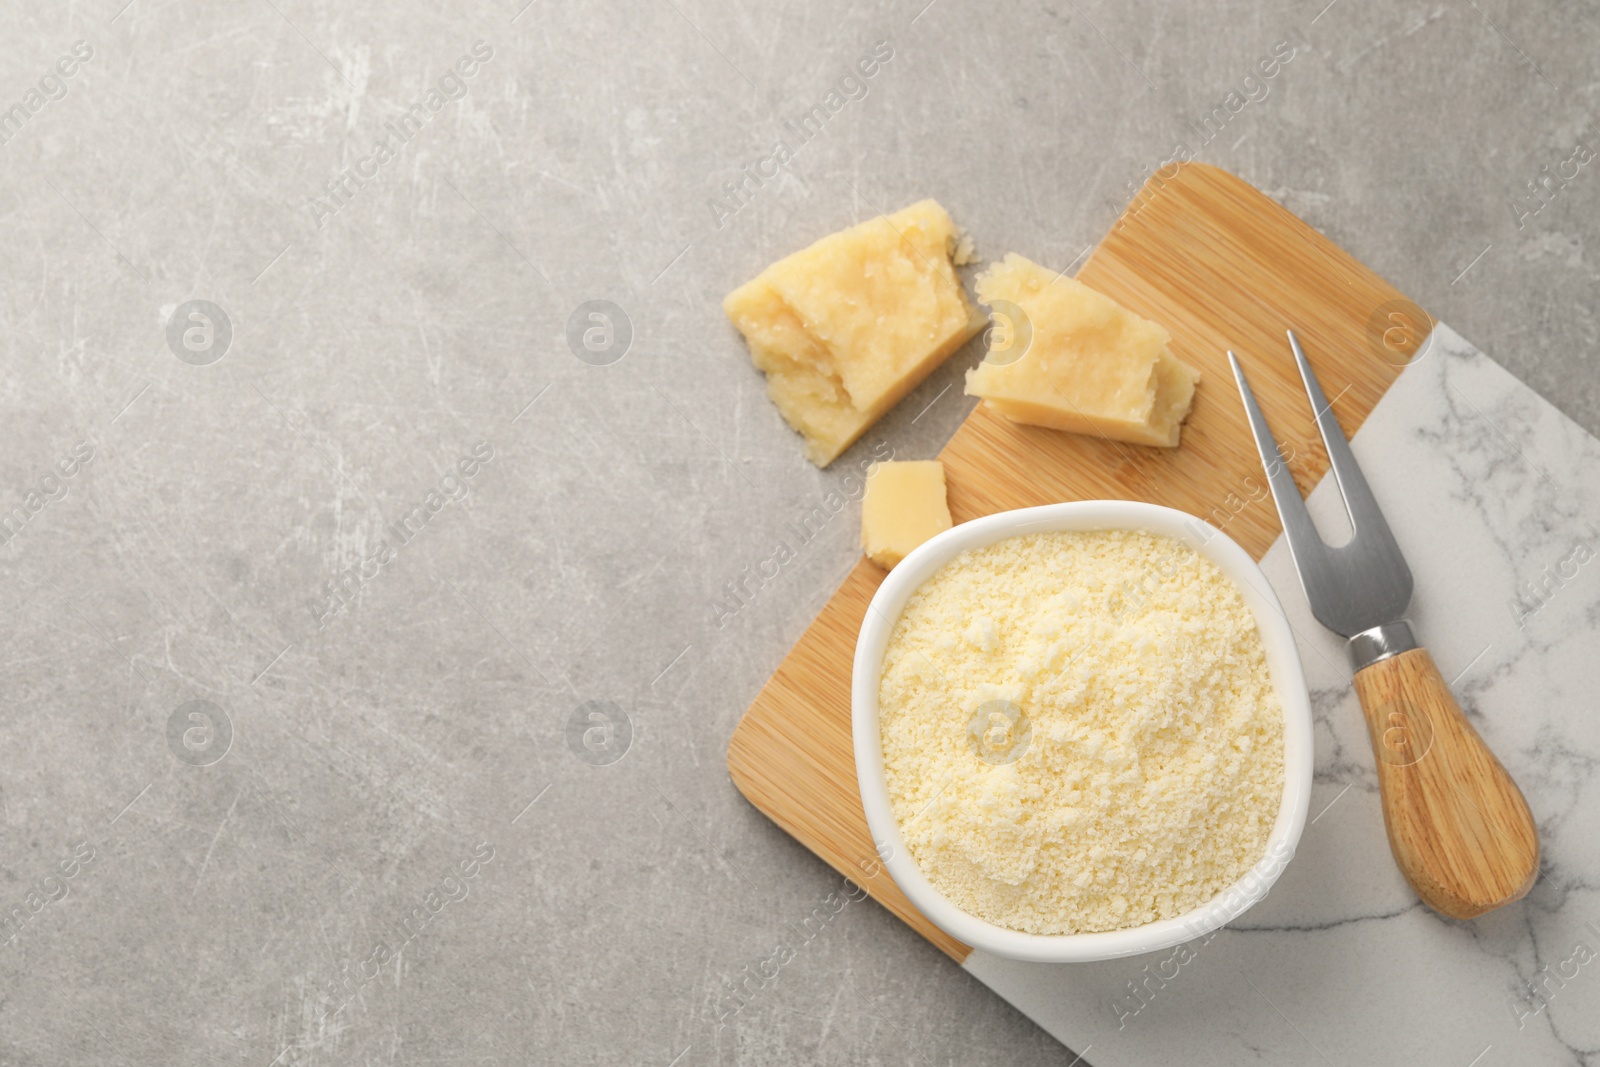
[1366, 518]
[1304, 541]
[1363, 578]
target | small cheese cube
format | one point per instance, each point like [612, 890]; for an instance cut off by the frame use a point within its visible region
[1091, 367]
[845, 328]
[903, 505]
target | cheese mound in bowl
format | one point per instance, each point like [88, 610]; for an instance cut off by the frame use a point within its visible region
[1089, 739]
[1126, 762]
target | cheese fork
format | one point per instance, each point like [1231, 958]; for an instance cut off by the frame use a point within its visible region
[1458, 825]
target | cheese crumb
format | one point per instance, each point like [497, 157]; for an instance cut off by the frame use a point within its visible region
[1079, 731]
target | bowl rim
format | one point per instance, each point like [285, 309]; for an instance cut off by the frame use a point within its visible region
[1283, 664]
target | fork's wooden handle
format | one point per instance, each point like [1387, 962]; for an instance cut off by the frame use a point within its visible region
[1458, 825]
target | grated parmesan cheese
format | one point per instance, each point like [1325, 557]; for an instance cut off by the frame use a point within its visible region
[1079, 731]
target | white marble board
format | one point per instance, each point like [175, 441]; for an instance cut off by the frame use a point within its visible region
[1495, 497]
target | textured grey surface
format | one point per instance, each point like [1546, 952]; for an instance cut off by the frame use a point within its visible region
[229, 910]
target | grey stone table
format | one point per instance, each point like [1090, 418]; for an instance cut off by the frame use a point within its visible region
[366, 689]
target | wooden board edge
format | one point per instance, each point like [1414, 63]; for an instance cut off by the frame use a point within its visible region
[870, 875]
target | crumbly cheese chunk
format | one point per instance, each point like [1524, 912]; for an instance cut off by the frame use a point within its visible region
[1092, 366]
[1079, 731]
[845, 328]
[904, 505]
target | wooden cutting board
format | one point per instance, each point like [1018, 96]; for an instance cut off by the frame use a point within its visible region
[1219, 265]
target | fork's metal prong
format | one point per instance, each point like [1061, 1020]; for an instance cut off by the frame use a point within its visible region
[1359, 504]
[1305, 544]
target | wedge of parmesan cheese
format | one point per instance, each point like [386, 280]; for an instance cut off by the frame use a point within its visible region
[904, 505]
[1091, 366]
[845, 328]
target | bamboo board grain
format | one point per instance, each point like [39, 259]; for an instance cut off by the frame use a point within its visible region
[1221, 266]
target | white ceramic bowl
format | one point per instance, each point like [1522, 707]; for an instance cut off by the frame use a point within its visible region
[1283, 662]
